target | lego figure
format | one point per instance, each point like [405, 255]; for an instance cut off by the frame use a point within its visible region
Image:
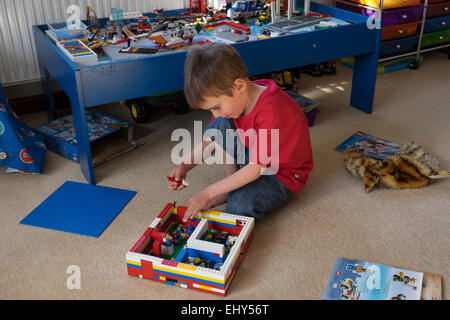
[355, 268]
[182, 233]
[349, 290]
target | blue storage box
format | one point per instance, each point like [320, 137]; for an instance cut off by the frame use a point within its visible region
[60, 137]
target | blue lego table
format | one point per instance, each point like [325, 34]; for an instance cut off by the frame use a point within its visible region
[109, 82]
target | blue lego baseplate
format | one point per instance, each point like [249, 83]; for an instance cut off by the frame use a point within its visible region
[80, 208]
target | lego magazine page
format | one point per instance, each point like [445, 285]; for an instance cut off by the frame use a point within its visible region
[362, 280]
[369, 145]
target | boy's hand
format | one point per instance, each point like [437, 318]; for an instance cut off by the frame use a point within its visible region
[176, 177]
[201, 200]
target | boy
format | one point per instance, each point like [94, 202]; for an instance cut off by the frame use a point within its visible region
[266, 120]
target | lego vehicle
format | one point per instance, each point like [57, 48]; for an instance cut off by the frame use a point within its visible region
[140, 108]
[405, 279]
[174, 36]
[244, 9]
[349, 290]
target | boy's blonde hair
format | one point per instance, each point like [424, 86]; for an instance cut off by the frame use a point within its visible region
[210, 70]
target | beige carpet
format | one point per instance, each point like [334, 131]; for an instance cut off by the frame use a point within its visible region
[295, 248]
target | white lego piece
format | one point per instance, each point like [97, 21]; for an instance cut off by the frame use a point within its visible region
[236, 249]
[138, 257]
[167, 250]
[200, 229]
[207, 246]
[128, 15]
[306, 7]
[290, 9]
[195, 285]
[155, 223]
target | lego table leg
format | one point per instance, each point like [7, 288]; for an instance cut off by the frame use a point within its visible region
[79, 119]
[49, 95]
[364, 78]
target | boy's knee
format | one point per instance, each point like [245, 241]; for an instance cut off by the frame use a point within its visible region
[245, 208]
[258, 198]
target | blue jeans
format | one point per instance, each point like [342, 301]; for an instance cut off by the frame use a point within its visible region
[258, 197]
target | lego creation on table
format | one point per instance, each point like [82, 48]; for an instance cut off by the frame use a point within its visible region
[202, 254]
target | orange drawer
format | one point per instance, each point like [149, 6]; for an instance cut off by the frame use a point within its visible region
[389, 4]
[399, 31]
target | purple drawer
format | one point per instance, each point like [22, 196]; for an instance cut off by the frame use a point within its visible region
[389, 17]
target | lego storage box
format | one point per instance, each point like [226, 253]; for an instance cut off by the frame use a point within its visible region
[60, 137]
[202, 254]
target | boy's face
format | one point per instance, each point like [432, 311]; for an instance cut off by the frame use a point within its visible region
[228, 107]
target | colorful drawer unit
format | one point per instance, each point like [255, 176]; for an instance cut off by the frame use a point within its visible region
[438, 9]
[389, 4]
[437, 23]
[399, 31]
[201, 254]
[388, 17]
[398, 45]
[434, 38]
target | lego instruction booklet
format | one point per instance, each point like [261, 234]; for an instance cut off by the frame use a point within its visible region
[363, 280]
[369, 145]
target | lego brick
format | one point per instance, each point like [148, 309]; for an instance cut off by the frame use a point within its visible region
[155, 223]
[143, 240]
[207, 288]
[210, 212]
[187, 266]
[170, 263]
[157, 248]
[165, 211]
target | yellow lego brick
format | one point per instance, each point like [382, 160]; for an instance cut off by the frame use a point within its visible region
[232, 223]
[187, 266]
[133, 262]
[162, 278]
[204, 287]
[211, 212]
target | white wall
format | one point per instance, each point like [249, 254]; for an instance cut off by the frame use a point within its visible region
[17, 53]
